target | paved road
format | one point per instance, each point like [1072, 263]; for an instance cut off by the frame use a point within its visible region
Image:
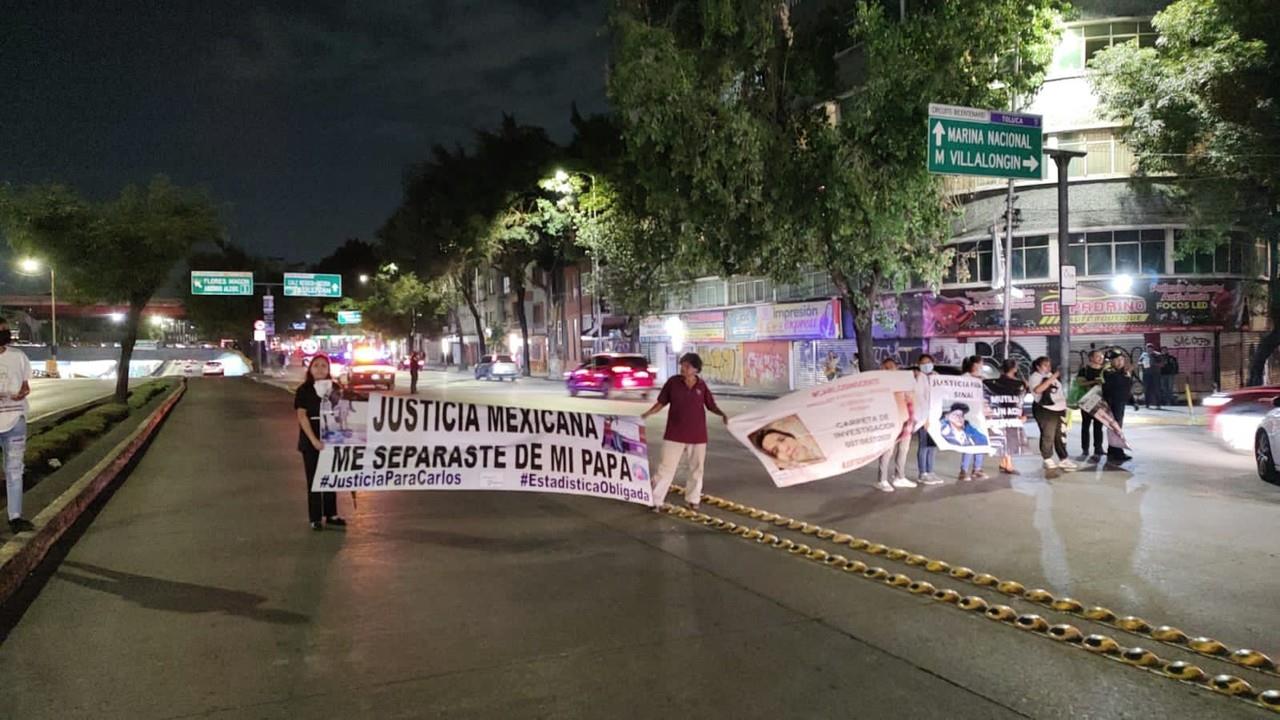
[50, 396]
[199, 592]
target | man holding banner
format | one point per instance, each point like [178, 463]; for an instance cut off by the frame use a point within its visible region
[686, 435]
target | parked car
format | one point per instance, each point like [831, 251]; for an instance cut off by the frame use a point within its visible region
[213, 367]
[497, 367]
[608, 373]
[1265, 441]
[1233, 417]
[369, 372]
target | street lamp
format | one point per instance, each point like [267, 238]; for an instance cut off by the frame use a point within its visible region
[562, 180]
[364, 279]
[31, 266]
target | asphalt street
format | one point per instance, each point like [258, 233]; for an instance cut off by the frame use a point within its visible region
[50, 395]
[200, 592]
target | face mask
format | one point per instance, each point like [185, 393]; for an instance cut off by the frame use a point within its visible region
[324, 387]
[6, 337]
[926, 368]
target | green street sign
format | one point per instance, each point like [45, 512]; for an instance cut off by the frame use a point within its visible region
[215, 282]
[312, 285]
[991, 143]
[350, 317]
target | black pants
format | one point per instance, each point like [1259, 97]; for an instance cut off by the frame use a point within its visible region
[413, 383]
[1151, 389]
[1050, 424]
[1087, 421]
[1117, 409]
[319, 504]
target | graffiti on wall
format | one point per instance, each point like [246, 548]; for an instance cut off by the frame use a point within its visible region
[905, 351]
[767, 365]
[721, 363]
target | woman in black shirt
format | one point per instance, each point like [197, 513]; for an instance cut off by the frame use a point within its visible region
[1117, 388]
[307, 402]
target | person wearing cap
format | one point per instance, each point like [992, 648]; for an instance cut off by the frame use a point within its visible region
[1152, 362]
[686, 434]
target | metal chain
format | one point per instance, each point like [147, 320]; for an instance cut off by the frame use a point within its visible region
[1100, 645]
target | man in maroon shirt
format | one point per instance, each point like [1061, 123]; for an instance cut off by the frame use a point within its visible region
[690, 399]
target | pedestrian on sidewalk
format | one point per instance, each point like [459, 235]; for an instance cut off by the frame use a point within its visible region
[1090, 376]
[686, 434]
[308, 403]
[1152, 362]
[15, 386]
[926, 448]
[1168, 374]
[1050, 411]
[1005, 396]
[1117, 388]
[415, 365]
[893, 463]
[971, 463]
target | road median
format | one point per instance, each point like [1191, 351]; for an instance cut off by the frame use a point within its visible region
[22, 554]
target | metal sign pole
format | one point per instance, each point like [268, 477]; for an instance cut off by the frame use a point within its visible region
[1062, 160]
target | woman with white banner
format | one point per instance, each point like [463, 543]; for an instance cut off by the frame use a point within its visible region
[926, 449]
[686, 435]
[893, 463]
[315, 392]
[1117, 389]
[1050, 411]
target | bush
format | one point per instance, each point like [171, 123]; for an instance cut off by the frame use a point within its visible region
[141, 395]
[111, 412]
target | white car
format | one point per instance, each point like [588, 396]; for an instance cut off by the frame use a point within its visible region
[1265, 443]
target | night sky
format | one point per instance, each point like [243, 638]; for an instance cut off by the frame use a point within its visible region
[299, 116]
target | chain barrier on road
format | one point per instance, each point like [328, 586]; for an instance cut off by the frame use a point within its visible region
[1100, 645]
[1243, 657]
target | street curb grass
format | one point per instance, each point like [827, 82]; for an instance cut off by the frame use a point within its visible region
[23, 553]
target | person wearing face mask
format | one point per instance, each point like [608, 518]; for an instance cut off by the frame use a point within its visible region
[15, 386]
[926, 450]
[307, 403]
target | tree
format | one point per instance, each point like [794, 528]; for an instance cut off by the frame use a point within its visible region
[351, 259]
[1204, 105]
[725, 108]
[122, 250]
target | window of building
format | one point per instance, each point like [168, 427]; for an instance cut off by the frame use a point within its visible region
[1030, 257]
[745, 291]
[539, 314]
[1235, 255]
[971, 263]
[1107, 153]
[1117, 252]
[709, 293]
[1082, 41]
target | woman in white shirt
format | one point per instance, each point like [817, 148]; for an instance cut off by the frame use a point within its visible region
[1050, 410]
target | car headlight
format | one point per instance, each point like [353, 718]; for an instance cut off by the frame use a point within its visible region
[1215, 401]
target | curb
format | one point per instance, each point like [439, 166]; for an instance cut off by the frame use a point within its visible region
[20, 556]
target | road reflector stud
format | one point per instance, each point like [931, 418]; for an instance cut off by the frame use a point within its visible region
[1140, 657]
[1101, 644]
[1207, 646]
[921, 587]
[973, 602]
[917, 560]
[1271, 699]
[896, 554]
[1066, 604]
[985, 580]
[826, 533]
[819, 554]
[1009, 587]
[856, 566]
[937, 566]
[1003, 613]
[947, 595]
[1133, 624]
[877, 549]
[1232, 685]
[876, 573]
[1066, 633]
[1039, 595]
[899, 580]
[842, 538]
[1100, 614]
[1032, 622]
[1164, 633]
[963, 573]
[1253, 659]
[1184, 671]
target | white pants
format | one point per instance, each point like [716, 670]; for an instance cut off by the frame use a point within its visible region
[893, 463]
[672, 453]
[14, 444]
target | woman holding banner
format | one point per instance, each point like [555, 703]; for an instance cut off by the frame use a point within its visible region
[1117, 389]
[307, 404]
[893, 464]
[971, 463]
[1005, 395]
[1050, 412]
[686, 435]
[926, 449]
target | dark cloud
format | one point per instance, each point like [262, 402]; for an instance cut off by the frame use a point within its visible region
[300, 115]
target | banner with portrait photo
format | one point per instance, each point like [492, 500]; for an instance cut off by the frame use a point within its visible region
[1093, 404]
[957, 418]
[829, 429]
[407, 443]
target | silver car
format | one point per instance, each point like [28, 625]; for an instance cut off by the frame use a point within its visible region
[497, 367]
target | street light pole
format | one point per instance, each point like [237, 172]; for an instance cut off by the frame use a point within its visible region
[1062, 159]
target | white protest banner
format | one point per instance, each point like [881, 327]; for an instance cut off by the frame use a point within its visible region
[1093, 404]
[956, 419]
[409, 443]
[829, 429]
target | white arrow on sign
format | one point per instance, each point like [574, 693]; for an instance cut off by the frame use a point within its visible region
[937, 133]
[1031, 163]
